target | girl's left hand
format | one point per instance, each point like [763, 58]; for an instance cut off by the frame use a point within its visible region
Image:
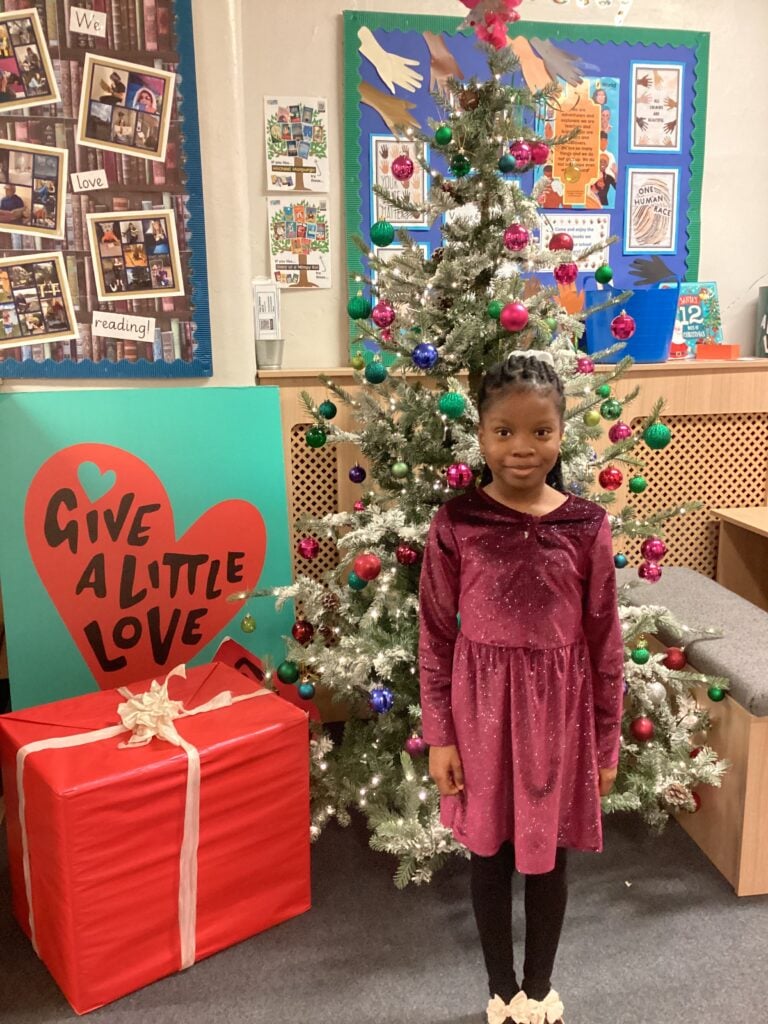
[607, 779]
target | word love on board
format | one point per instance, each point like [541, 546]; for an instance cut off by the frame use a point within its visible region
[134, 597]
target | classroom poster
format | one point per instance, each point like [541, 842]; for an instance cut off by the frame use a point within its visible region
[296, 129]
[123, 530]
[657, 94]
[300, 242]
[652, 209]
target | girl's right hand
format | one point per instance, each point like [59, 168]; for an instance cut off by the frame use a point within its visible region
[445, 768]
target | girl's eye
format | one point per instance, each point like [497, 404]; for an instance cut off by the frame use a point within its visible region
[544, 431]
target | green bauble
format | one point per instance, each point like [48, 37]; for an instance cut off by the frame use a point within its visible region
[604, 391]
[461, 165]
[604, 274]
[452, 404]
[287, 671]
[551, 324]
[327, 409]
[316, 437]
[247, 623]
[716, 693]
[640, 655]
[592, 417]
[375, 373]
[399, 470]
[610, 409]
[306, 691]
[493, 309]
[382, 233]
[443, 135]
[357, 362]
[355, 582]
[507, 163]
[637, 484]
[358, 307]
[657, 436]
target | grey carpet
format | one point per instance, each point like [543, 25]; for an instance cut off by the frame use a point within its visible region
[674, 946]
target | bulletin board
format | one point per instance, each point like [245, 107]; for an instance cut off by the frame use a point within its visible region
[102, 239]
[640, 102]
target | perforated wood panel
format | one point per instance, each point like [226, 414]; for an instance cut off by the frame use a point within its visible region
[313, 491]
[720, 460]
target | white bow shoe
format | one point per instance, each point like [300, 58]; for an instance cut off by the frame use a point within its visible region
[545, 1011]
[516, 1010]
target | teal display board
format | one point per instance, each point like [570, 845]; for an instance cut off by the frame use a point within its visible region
[126, 519]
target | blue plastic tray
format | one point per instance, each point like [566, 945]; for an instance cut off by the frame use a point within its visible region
[654, 310]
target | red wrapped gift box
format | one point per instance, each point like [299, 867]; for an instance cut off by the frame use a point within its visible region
[109, 879]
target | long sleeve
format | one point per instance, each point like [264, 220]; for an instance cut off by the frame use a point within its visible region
[438, 607]
[602, 629]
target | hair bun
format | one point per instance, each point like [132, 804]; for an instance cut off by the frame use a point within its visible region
[533, 353]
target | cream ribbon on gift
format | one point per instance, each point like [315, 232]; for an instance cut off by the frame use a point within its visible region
[147, 716]
[516, 1010]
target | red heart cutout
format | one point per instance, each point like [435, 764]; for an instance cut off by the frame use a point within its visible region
[136, 599]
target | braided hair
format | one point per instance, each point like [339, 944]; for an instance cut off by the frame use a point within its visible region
[519, 372]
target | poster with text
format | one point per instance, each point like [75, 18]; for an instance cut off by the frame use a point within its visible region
[299, 242]
[657, 93]
[117, 554]
[651, 219]
[296, 130]
[384, 150]
[586, 230]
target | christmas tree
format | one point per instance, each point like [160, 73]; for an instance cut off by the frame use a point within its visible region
[425, 332]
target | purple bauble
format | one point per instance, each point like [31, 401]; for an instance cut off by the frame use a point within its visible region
[308, 547]
[424, 356]
[357, 474]
[514, 316]
[402, 167]
[649, 571]
[619, 432]
[383, 314]
[585, 365]
[516, 237]
[415, 746]
[459, 475]
[653, 548]
[521, 151]
[565, 273]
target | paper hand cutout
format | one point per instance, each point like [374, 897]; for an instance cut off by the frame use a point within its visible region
[391, 68]
[650, 270]
[442, 64]
[396, 112]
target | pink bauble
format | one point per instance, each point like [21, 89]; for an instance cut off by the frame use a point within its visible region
[561, 241]
[359, 505]
[642, 729]
[415, 746]
[611, 478]
[308, 547]
[367, 566]
[514, 316]
[521, 151]
[585, 365]
[402, 167]
[653, 548]
[623, 326]
[386, 334]
[566, 273]
[459, 475]
[516, 237]
[406, 555]
[539, 153]
[619, 432]
[382, 314]
[649, 571]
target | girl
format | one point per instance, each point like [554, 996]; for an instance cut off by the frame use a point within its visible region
[522, 701]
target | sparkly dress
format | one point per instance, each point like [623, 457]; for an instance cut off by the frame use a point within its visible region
[530, 685]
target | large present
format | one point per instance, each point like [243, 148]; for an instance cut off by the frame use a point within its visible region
[150, 827]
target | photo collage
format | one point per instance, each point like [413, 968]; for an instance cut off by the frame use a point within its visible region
[33, 187]
[296, 132]
[34, 300]
[26, 73]
[135, 254]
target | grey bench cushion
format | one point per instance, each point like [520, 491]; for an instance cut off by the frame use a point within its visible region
[698, 601]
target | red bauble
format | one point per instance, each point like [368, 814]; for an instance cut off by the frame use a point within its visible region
[415, 746]
[649, 571]
[514, 316]
[697, 801]
[303, 631]
[539, 153]
[611, 478]
[521, 151]
[585, 365]
[675, 659]
[561, 241]
[459, 475]
[402, 167]
[308, 548]
[367, 566]
[623, 326]
[619, 432]
[642, 729]
[516, 237]
[406, 555]
[653, 548]
[566, 273]
[359, 505]
[695, 751]
[382, 314]
[385, 334]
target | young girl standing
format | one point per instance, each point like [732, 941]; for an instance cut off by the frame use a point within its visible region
[522, 701]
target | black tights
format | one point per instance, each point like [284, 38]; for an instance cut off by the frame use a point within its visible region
[545, 900]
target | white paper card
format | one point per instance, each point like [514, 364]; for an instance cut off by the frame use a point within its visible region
[123, 326]
[89, 181]
[90, 23]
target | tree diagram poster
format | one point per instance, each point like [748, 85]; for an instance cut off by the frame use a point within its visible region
[299, 242]
[100, 126]
[296, 130]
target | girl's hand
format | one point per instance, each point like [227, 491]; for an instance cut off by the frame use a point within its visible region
[445, 769]
[607, 779]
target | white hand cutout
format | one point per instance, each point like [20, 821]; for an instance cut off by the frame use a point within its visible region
[391, 68]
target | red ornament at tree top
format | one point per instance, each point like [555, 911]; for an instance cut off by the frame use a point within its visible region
[402, 167]
[623, 326]
[675, 659]
[611, 478]
[367, 566]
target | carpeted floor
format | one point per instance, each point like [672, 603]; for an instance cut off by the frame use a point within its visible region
[673, 947]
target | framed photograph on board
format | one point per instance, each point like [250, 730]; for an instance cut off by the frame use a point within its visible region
[35, 300]
[135, 252]
[33, 182]
[26, 71]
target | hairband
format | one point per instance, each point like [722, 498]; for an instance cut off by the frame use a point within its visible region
[534, 353]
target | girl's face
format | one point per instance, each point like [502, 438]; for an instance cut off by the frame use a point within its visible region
[520, 434]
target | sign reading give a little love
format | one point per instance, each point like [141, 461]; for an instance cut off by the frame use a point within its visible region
[126, 520]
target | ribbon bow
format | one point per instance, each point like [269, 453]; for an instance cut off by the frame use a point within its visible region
[548, 1011]
[516, 1010]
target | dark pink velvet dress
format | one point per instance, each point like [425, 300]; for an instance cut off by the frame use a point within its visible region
[530, 686]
